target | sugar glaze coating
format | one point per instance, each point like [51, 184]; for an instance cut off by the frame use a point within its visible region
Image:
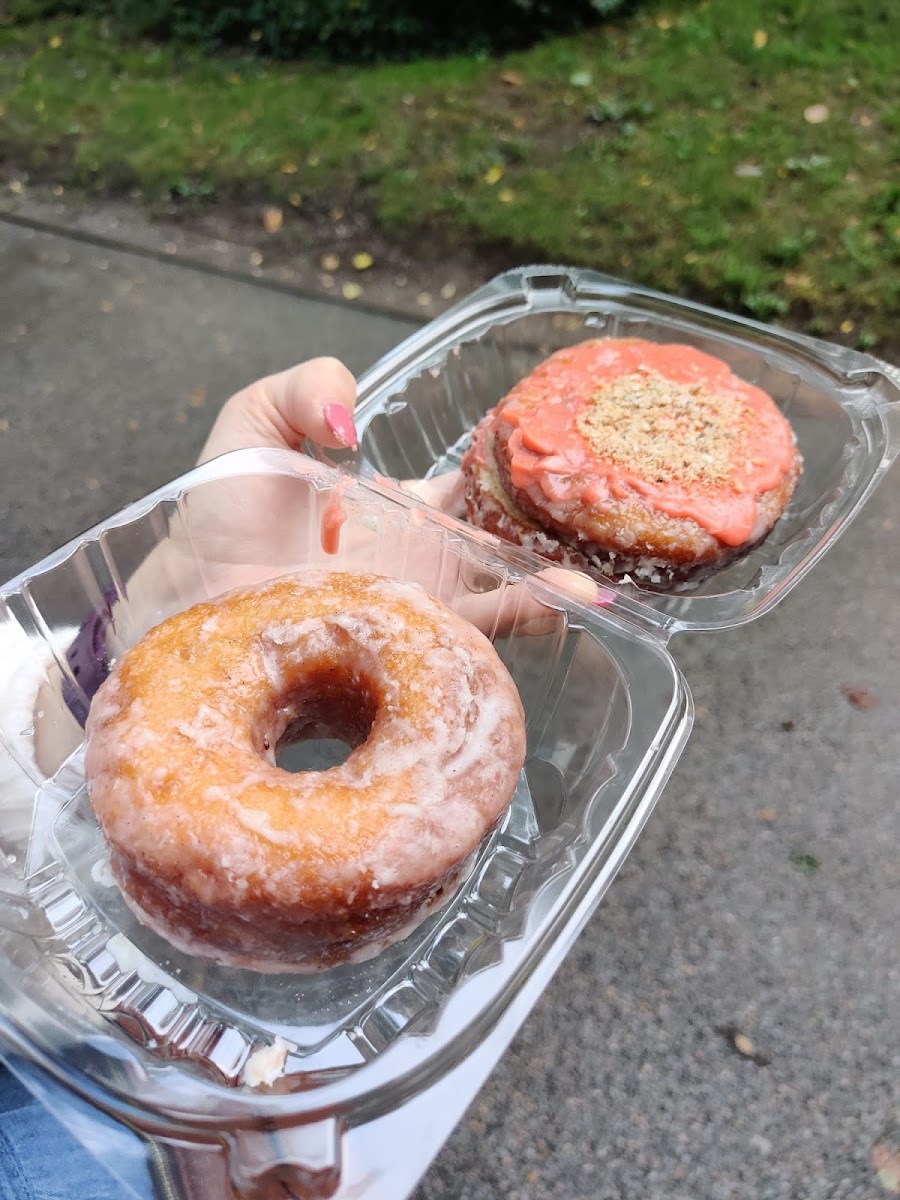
[231, 857]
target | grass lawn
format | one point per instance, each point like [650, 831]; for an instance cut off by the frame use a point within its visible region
[742, 153]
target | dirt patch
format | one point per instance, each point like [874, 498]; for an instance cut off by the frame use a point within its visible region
[336, 254]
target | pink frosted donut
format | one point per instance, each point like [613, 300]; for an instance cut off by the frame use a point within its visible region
[229, 856]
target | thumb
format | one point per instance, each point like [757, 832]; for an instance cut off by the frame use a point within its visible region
[577, 584]
[314, 399]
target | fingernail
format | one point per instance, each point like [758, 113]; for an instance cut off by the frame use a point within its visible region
[340, 422]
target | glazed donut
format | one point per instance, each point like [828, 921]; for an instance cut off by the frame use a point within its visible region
[230, 857]
[624, 457]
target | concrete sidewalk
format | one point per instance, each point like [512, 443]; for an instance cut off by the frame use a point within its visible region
[761, 900]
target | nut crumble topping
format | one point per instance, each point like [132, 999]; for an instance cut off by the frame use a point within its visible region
[668, 432]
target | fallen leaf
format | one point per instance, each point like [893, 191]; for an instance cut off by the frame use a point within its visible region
[289, 168]
[519, 122]
[748, 171]
[133, 425]
[493, 175]
[295, 199]
[739, 1041]
[17, 187]
[371, 142]
[327, 281]
[815, 114]
[336, 214]
[4, 425]
[170, 248]
[198, 396]
[55, 42]
[859, 697]
[581, 79]
[256, 259]
[448, 291]
[887, 524]
[313, 160]
[362, 261]
[885, 1159]
[92, 484]
[330, 263]
[765, 814]
[255, 35]
[645, 181]
[272, 218]
[423, 299]
[57, 189]
[760, 38]
[234, 78]
[512, 79]
[432, 114]
[799, 281]
[506, 196]
[105, 306]
[847, 326]
[351, 291]
[663, 23]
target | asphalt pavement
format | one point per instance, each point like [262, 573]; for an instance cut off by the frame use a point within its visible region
[727, 1026]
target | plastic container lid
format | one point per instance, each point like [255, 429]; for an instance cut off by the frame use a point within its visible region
[185, 1049]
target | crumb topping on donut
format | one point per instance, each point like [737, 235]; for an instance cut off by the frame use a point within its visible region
[668, 431]
[610, 420]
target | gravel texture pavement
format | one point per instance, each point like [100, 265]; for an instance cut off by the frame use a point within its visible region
[727, 1026]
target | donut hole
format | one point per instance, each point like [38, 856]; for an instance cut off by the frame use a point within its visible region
[321, 721]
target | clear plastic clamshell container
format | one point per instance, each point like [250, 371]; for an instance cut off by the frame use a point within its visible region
[345, 1083]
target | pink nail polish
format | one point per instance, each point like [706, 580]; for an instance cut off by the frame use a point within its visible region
[340, 422]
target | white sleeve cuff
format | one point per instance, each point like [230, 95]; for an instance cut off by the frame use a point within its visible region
[23, 668]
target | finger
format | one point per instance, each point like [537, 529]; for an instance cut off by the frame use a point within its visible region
[314, 399]
[446, 492]
[582, 587]
[516, 610]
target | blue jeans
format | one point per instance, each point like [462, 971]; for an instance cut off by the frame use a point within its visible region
[41, 1160]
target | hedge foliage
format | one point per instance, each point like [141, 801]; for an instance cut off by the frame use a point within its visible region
[355, 30]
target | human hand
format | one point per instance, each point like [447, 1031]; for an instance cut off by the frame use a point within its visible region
[240, 530]
[243, 529]
[315, 400]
